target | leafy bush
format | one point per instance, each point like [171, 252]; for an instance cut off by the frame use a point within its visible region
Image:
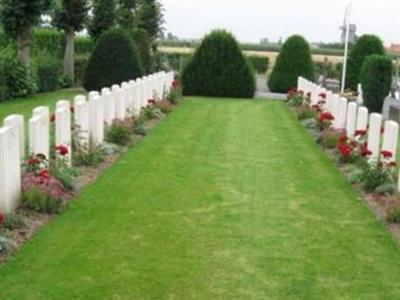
[305, 112]
[113, 61]
[330, 137]
[48, 40]
[19, 80]
[151, 112]
[365, 46]
[393, 215]
[177, 60]
[259, 63]
[140, 130]
[218, 68]
[294, 60]
[48, 70]
[376, 175]
[119, 134]
[84, 45]
[88, 156]
[376, 80]
[175, 94]
[79, 68]
[13, 221]
[36, 199]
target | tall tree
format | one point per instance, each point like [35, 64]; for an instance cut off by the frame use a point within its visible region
[103, 17]
[151, 18]
[126, 13]
[71, 17]
[18, 18]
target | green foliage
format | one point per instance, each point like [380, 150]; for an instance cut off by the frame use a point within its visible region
[305, 112]
[374, 176]
[365, 46]
[330, 69]
[71, 15]
[164, 106]
[13, 221]
[88, 156]
[294, 60]
[48, 40]
[19, 80]
[175, 95]
[80, 66]
[140, 130]
[48, 71]
[18, 15]
[141, 40]
[218, 68]
[113, 61]
[126, 18]
[376, 80]
[150, 18]
[151, 113]
[39, 201]
[177, 60]
[119, 134]
[393, 215]
[103, 17]
[259, 63]
[84, 45]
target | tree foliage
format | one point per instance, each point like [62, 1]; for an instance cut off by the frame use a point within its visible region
[72, 15]
[114, 60]
[126, 13]
[376, 80]
[151, 18]
[365, 45]
[218, 68]
[103, 17]
[294, 60]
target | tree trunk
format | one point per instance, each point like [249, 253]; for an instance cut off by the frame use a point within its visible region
[69, 54]
[24, 41]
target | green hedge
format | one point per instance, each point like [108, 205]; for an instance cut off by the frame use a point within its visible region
[293, 61]
[376, 80]
[218, 68]
[49, 70]
[114, 60]
[260, 64]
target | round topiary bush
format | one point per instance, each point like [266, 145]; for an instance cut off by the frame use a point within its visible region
[376, 80]
[218, 68]
[365, 45]
[294, 60]
[114, 59]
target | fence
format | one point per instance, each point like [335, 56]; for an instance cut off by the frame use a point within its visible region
[91, 116]
[354, 117]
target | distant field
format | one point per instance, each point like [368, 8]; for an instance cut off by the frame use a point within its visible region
[270, 54]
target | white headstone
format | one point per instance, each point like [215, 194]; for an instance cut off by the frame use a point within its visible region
[10, 169]
[78, 99]
[374, 134]
[96, 114]
[109, 106]
[362, 118]
[18, 122]
[63, 130]
[82, 123]
[390, 138]
[342, 114]
[43, 111]
[351, 119]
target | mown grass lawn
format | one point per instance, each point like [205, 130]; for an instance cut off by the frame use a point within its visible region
[227, 199]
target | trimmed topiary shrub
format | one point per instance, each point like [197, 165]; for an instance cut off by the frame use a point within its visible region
[218, 68]
[365, 45]
[294, 60]
[376, 80]
[114, 60]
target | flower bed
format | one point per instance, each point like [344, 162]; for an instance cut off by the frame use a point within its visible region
[375, 180]
[49, 188]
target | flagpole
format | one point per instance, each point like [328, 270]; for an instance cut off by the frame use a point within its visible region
[346, 46]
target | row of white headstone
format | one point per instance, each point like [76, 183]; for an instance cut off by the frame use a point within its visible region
[353, 116]
[90, 117]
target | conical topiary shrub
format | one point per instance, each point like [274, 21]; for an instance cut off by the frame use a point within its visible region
[218, 68]
[294, 60]
[114, 59]
[366, 45]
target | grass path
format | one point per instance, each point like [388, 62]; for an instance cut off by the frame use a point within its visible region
[226, 199]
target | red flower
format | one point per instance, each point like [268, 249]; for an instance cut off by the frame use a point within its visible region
[52, 118]
[364, 151]
[44, 173]
[326, 116]
[382, 129]
[360, 132]
[342, 139]
[62, 150]
[2, 217]
[345, 150]
[386, 154]
[322, 95]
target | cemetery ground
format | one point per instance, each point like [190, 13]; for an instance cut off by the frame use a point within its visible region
[225, 199]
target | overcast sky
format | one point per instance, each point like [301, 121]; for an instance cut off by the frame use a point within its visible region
[251, 20]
